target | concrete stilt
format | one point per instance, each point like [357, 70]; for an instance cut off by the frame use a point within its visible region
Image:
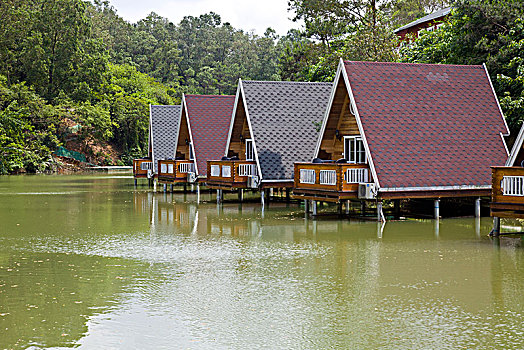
[363, 208]
[198, 194]
[154, 185]
[379, 211]
[477, 227]
[339, 205]
[477, 207]
[165, 187]
[219, 196]
[241, 195]
[314, 207]
[437, 228]
[263, 197]
[306, 206]
[287, 195]
[396, 204]
[136, 182]
[172, 187]
[496, 226]
[185, 188]
[348, 206]
[437, 208]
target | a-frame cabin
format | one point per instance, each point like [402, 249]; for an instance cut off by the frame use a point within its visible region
[202, 135]
[507, 196]
[274, 124]
[399, 130]
[163, 128]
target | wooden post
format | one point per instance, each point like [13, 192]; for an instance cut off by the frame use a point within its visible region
[241, 195]
[437, 209]
[496, 227]
[396, 204]
[477, 207]
[136, 182]
[339, 208]
[314, 205]
[348, 205]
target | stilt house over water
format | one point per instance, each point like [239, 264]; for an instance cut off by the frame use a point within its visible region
[274, 124]
[201, 136]
[400, 130]
[163, 128]
[507, 197]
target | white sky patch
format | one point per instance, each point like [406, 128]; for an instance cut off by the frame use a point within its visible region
[248, 15]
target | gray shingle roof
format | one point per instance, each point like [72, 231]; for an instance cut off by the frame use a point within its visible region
[430, 17]
[163, 126]
[282, 115]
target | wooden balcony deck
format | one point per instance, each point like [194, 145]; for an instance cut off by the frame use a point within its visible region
[141, 167]
[329, 181]
[229, 174]
[507, 192]
[172, 171]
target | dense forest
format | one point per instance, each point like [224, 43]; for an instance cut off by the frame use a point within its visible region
[76, 74]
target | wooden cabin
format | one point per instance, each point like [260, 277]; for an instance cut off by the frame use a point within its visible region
[430, 23]
[400, 130]
[507, 196]
[202, 135]
[163, 127]
[274, 124]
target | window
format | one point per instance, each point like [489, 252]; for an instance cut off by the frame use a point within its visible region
[191, 155]
[226, 171]
[307, 176]
[354, 151]
[512, 185]
[328, 177]
[170, 168]
[215, 170]
[249, 150]
[356, 175]
[163, 168]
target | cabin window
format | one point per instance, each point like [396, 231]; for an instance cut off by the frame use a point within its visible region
[191, 155]
[215, 170]
[163, 168]
[354, 151]
[170, 168]
[249, 150]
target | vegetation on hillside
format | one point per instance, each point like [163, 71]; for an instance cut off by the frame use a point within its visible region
[76, 74]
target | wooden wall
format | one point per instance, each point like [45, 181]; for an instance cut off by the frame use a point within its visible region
[182, 150]
[240, 127]
[340, 118]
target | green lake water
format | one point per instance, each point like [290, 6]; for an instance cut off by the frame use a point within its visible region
[90, 262]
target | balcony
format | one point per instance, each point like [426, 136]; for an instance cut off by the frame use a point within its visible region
[507, 192]
[174, 171]
[329, 181]
[141, 167]
[229, 174]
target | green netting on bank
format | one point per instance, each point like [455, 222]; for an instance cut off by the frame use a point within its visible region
[64, 152]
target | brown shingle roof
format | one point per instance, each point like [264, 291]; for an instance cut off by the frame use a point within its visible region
[428, 125]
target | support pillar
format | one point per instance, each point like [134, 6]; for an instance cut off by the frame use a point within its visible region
[477, 207]
[219, 196]
[172, 188]
[437, 209]
[314, 207]
[379, 211]
[241, 195]
[306, 206]
[396, 204]
[496, 227]
[165, 187]
[198, 194]
[136, 182]
[287, 195]
[185, 188]
[154, 185]
[192, 188]
[262, 197]
[348, 205]
[339, 204]
[363, 208]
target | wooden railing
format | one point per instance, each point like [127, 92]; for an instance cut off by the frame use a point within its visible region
[230, 171]
[174, 170]
[507, 192]
[141, 167]
[335, 177]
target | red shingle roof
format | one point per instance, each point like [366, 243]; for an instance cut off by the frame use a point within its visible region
[428, 125]
[209, 119]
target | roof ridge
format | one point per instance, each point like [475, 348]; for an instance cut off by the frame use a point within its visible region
[416, 64]
[197, 95]
[286, 82]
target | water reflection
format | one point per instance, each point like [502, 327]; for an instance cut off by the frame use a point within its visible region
[118, 268]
